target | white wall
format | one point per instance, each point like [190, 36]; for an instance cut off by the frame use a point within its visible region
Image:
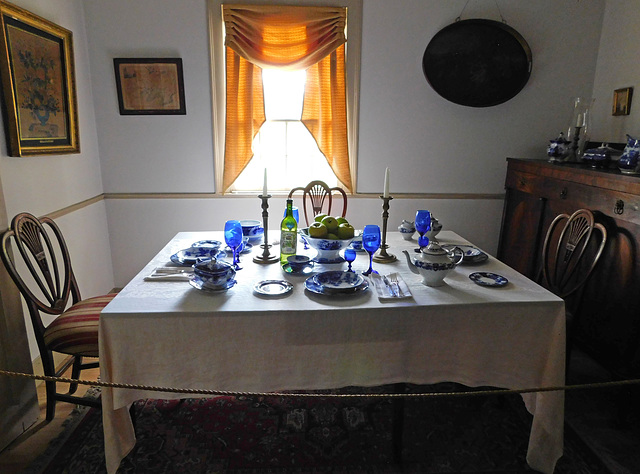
[43, 184]
[618, 67]
[431, 145]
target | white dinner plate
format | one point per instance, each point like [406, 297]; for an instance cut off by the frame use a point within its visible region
[273, 287]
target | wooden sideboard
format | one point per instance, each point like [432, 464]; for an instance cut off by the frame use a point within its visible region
[608, 319]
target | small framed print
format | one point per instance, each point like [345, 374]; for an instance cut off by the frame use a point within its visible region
[622, 101]
[38, 84]
[150, 86]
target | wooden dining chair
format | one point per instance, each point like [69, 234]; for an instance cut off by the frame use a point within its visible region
[36, 257]
[319, 197]
[570, 252]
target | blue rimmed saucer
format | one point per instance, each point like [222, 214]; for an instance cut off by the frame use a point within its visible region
[200, 284]
[305, 270]
[488, 279]
[245, 249]
[471, 254]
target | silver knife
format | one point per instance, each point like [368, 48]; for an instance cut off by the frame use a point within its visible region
[389, 287]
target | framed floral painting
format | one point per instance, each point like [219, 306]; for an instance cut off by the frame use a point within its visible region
[38, 84]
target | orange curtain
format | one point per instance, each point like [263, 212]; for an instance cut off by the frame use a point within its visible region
[325, 112]
[292, 38]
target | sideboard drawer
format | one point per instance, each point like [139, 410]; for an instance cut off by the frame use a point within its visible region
[622, 206]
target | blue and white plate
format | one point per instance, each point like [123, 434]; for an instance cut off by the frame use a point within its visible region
[336, 283]
[488, 279]
[207, 244]
[471, 254]
[190, 256]
[200, 284]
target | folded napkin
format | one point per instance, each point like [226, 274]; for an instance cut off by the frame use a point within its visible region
[170, 273]
[383, 290]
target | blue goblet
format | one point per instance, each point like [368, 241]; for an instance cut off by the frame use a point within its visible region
[233, 238]
[371, 243]
[423, 224]
[349, 256]
[296, 214]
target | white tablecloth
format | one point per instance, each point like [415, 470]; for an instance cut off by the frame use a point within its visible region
[170, 334]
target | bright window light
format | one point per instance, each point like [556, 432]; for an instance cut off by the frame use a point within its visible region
[284, 145]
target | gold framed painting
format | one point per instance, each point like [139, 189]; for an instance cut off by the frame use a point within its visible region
[150, 86]
[622, 101]
[38, 84]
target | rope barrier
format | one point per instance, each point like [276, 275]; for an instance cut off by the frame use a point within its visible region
[192, 391]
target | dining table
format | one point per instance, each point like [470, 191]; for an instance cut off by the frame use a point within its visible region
[169, 333]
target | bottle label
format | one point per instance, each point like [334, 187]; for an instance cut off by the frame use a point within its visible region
[288, 243]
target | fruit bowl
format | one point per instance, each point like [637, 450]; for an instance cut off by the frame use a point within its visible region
[328, 249]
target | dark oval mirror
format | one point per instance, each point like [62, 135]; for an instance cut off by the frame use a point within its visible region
[477, 63]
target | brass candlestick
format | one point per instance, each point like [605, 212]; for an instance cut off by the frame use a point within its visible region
[381, 256]
[265, 257]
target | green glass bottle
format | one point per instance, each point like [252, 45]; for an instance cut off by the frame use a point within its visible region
[288, 234]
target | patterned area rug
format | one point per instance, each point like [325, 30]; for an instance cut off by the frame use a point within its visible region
[272, 435]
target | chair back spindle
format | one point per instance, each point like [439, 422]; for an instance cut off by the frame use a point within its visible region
[317, 197]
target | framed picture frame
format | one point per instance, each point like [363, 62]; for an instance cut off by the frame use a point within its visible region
[622, 101]
[150, 86]
[38, 84]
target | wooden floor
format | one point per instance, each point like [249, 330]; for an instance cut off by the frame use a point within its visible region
[25, 449]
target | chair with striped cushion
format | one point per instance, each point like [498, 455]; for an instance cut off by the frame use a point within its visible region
[36, 256]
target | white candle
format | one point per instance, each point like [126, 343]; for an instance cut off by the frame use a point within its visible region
[264, 186]
[386, 183]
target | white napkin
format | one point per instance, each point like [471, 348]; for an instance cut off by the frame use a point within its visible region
[383, 290]
[170, 273]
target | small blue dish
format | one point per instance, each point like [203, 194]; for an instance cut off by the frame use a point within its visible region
[488, 279]
[298, 262]
[252, 229]
[305, 270]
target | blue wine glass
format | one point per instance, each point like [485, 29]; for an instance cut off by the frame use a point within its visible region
[423, 224]
[349, 256]
[296, 214]
[371, 243]
[233, 238]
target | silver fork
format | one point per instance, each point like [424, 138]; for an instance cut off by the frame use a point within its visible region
[393, 278]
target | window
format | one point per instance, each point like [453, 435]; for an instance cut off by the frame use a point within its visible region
[283, 142]
[282, 138]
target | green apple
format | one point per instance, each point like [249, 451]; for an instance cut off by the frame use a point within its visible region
[319, 217]
[318, 230]
[346, 231]
[342, 220]
[331, 223]
[331, 236]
